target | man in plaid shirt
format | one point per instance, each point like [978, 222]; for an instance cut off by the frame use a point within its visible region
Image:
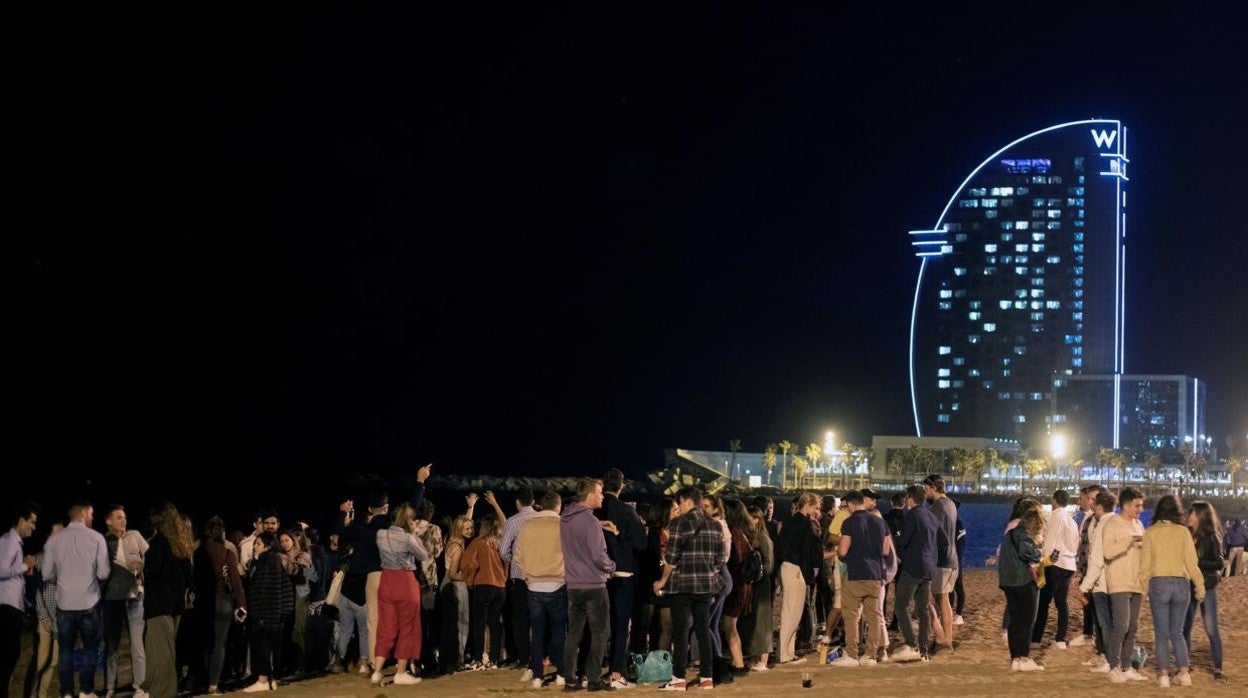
[695, 551]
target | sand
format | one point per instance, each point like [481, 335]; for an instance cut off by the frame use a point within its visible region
[979, 667]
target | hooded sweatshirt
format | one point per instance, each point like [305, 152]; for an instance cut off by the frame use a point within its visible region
[586, 564]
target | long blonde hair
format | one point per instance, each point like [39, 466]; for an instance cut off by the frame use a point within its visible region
[403, 516]
[457, 528]
[168, 521]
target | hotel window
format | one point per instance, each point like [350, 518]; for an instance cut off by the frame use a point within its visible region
[973, 339]
[959, 361]
[1037, 248]
[1020, 305]
[990, 259]
[968, 203]
[1074, 202]
[1077, 363]
[944, 350]
[1020, 350]
[1006, 373]
[1077, 305]
[954, 407]
[1021, 259]
[1004, 305]
[1037, 202]
[987, 385]
[942, 384]
[1054, 259]
[942, 373]
[1006, 361]
[942, 418]
[990, 213]
[1054, 225]
[1003, 396]
[1037, 281]
[1076, 351]
[990, 248]
[1022, 191]
[1077, 317]
[1053, 305]
[1007, 259]
[1079, 291]
[1022, 225]
[988, 203]
[976, 305]
[1020, 248]
[1037, 293]
[959, 271]
[1078, 237]
[1055, 213]
[1020, 418]
[1054, 203]
[946, 249]
[945, 305]
[1021, 271]
[946, 293]
[1006, 203]
[960, 237]
[1037, 327]
[1020, 293]
[1037, 237]
[959, 384]
[1006, 237]
[977, 191]
[1078, 283]
[1036, 305]
[974, 373]
[1078, 271]
[974, 315]
[990, 327]
[1037, 316]
[1037, 213]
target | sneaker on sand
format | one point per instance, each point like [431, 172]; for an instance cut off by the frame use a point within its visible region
[1029, 664]
[867, 661]
[706, 684]
[844, 661]
[560, 681]
[376, 679]
[761, 666]
[906, 654]
[1060, 645]
[257, 687]
[1133, 675]
[1079, 641]
[674, 685]
[526, 675]
[1014, 664]
[1163, 681]
[1184, 679]
[365, 668]
[1115, 676]
[405, 679]
[622, 683]
[957, 620]
[536, 683]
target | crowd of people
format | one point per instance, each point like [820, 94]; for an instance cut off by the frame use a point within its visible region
[568, 593]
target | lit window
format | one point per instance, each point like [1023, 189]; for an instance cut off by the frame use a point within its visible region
[1078, 271]
[945, 305]
[1037, 316]
[942, 373]
[1037, 396]
[1003, 396]
[1006, 361]
[1020, 418]
[958, 361]
[990, 327]
[990, 247]
[954, 407]
[1004, 305]
[944, 350]
[1077, 317]
[1006, 237]
[988, 203]
[990, 213]
[946, 249]
[1020, 248]
[976, 305]
[1037, 248]
[1021, 271]
[1054, 259]
[1053, 225]
[968, 203]
[1036, 305]
[942, 418]
[973, 373]
[1037, 237]
[960, 237]
[1037, 202]
[959, 271]
[973, 339]
[1076, 351]
[1053, 305]
[1077, 305]
[977, 191]
[1022, 225]
[1006, 373]
[942, 384]
[1037, 293]
[1055, 213]
[1077, 363]
[1020, 305]
[1020, 350]
[1079, 292]
[1021, 259]
[973, 315]
[946, 293]
[990, 259]
[1037, 282]
[1006, 259]
[1078, 282]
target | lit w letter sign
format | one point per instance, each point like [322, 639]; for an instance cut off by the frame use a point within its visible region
[1104, 139]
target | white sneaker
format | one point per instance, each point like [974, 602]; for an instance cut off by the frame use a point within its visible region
[867, 661]
[1133, 675]
[526, 675]
[1184, 679]
[622, 683]
[560, 681]
[883, 657]
[1029, 664]
[258, 687]
[403, 678]
[365, 668]
[906, 654]
[674, 685]
[1060, 645]
[1163, 681]
[376, 679]
[761, 666]
[1014, 664]
[844, 661]
[1079, 641]
[957, 620]
[536, 683]
[1115, 676]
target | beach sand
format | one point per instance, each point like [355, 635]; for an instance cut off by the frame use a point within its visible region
[979, 667]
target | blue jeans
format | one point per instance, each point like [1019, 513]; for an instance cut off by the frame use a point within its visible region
[1169, 598]
[352, 618]
[623, 592]
[70, 627]
[717, 612]
[1104, 618]
[547, 611]
[1209, 618]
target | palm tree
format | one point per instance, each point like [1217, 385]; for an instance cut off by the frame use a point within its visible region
[734, 445]
[1154, 465]
[814, 454]
[785, 447]
[769, 460]
[847, 463]
[799, 470]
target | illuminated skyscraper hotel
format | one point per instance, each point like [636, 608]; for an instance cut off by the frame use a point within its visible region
[1021, 279]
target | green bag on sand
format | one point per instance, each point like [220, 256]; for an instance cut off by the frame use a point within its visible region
[1139, 657]
[655, 667]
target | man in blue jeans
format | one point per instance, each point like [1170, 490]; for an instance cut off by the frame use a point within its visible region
[622, 546]
[76, 559]
[586, 569]
[1093, 581]
[539, 554]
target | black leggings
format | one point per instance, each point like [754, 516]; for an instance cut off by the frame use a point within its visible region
[1021, 603]
[486, 609]
[265, 642]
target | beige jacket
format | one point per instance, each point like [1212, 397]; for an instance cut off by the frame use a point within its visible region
[1122, 555]
[539, 549]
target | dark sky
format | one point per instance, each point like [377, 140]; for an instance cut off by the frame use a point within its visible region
[540, 241]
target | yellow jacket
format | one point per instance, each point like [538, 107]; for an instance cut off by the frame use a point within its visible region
[1169, 551]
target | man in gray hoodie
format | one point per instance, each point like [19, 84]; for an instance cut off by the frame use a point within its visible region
[587, 567]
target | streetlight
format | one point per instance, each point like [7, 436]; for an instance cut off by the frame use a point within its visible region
[1057, 447]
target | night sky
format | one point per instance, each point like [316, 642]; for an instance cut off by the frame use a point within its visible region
[266, 246]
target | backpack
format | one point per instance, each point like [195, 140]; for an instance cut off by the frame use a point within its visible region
[752, 566]
[655, 667]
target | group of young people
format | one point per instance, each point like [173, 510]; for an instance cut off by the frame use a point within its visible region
[565, 592]
[1117, 563]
